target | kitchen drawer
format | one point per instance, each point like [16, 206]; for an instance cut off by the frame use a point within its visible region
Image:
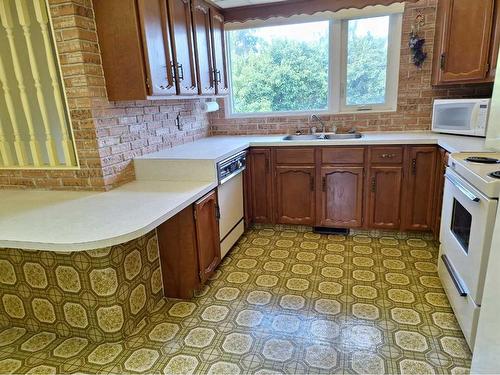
[343, 155]
[386, 155]
[296, 155]
[466, 311]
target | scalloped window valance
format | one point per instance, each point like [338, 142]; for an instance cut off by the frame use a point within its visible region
[290, 8]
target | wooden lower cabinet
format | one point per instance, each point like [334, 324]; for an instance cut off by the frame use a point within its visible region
[189, 248]
[379, 187]
[340, 202]
[261, 200]
[384, 197]
[295, 188]
[206, 215]
[420, 179]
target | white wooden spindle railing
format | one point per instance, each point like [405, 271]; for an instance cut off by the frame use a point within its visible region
[8, 24]
[43, 21]
[19, 145]
[5, 151]
[25, 22]
[34, 122]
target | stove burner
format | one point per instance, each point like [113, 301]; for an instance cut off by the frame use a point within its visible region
[482, 160]
[495, 174]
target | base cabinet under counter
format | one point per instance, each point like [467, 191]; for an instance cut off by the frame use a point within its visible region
[340, 200]
[384, 197]
[295, 189]
[379, 187]
[189, 247]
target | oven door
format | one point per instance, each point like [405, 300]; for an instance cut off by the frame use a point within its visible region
[466, 230]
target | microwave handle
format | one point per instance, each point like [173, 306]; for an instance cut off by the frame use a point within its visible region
[475, 115]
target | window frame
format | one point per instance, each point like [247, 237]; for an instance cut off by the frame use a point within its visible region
[392, 73]
[337, 67]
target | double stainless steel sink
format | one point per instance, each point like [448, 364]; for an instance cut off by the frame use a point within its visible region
[321, 136]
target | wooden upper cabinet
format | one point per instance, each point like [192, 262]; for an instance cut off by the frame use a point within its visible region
[203, 47]
[295, 188]
[419, 188]
[183, 65]
[495, 42]
[207, 235]
[219, 52]
[463, 49]
[261, 189]
[156, 39]
[384, 197]
[341, 199]
[135, 50]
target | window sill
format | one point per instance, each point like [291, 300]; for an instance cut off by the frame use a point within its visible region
[305, 114]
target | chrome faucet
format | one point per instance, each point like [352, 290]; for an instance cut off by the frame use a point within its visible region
[323, 126]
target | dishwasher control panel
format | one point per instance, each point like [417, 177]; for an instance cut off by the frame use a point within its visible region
[231, 166]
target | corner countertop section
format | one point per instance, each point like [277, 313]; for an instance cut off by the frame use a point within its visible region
[220, 147]
[66, 221]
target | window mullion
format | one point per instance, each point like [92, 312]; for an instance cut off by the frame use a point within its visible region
[336, 57]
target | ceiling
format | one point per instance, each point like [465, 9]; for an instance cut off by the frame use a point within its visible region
[237, 3]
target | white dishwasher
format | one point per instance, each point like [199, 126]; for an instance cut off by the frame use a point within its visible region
[230, 200]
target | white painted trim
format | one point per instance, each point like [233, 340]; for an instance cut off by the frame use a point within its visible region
[392, 77]
[337, 69]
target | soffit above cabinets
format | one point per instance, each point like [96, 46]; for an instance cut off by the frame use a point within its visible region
[238, 3]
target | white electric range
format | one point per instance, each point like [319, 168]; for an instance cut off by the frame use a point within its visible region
[470, 201]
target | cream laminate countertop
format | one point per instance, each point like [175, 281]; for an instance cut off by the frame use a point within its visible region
[67, 221]
[220, 147]
[167, 182]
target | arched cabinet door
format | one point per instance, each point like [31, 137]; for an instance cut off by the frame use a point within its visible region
[295, 194]
[206, 214]
[341, 202]
[384, 198]
[465, 41]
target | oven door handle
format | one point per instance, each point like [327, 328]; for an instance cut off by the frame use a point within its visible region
[463, 189]
[460, 289]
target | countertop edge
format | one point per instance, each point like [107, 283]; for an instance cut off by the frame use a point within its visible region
[106, 242]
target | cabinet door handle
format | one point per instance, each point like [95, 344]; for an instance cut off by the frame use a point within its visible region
[324, 183]
[268, 165]
[374, 185]
[180, 69]
[217, 76]
[442, 62]
[217, 212]
[388, 156]
[414, 166]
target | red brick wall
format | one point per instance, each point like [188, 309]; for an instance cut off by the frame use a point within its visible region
[414, 97]
[107, 134]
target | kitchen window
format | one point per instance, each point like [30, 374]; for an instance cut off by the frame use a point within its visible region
[315, 64]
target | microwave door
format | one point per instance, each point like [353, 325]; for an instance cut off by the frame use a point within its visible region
[455, 118]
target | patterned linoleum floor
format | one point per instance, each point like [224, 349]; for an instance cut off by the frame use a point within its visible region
[284, 301]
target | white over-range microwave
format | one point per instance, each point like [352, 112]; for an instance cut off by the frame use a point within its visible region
[461, 116]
